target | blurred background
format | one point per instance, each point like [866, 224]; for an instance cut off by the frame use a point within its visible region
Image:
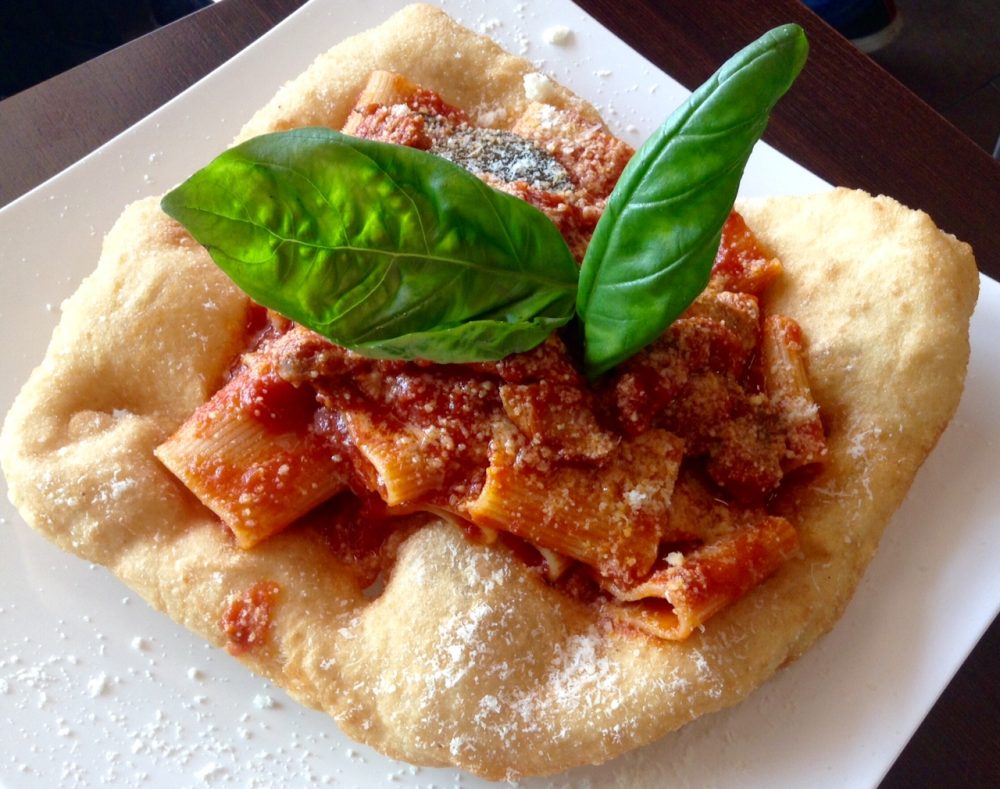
[948, 53]
[42, 38]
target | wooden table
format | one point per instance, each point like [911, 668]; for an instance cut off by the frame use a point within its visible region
[846, 120]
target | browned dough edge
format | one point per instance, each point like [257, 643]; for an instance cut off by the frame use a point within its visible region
[466, 658]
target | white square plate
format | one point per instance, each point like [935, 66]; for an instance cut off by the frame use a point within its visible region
[96, 687]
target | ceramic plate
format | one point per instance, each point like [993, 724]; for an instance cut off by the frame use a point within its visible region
[97, 688]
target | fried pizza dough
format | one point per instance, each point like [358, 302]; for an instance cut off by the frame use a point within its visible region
[467, 658]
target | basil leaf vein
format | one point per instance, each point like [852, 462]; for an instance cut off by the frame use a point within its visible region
[382, 248]
[400, 254]
[652, 251]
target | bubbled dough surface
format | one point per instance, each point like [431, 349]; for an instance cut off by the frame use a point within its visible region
[466, 658]
[430, 49]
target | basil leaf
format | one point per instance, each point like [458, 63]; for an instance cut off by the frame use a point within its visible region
[653, 248]
[382, 248]
[465, 342]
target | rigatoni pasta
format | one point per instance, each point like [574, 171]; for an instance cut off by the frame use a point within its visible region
[256, 464]
[698, 584]
[526, 447]
[444, 644]
[609, 518]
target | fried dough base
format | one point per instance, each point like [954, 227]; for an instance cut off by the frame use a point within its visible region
[467, 658]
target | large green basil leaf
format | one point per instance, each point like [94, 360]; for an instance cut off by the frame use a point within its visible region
[384, 249]
[652, 250]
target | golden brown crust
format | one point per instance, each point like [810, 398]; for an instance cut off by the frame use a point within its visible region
[432, 50]
[467, 658]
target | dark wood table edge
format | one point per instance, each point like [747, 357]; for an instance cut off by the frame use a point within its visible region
[118, 89]
[915, 156]
[955, 745]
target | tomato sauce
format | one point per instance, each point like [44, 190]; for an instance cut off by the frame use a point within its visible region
[247, 620]
[722, 378]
